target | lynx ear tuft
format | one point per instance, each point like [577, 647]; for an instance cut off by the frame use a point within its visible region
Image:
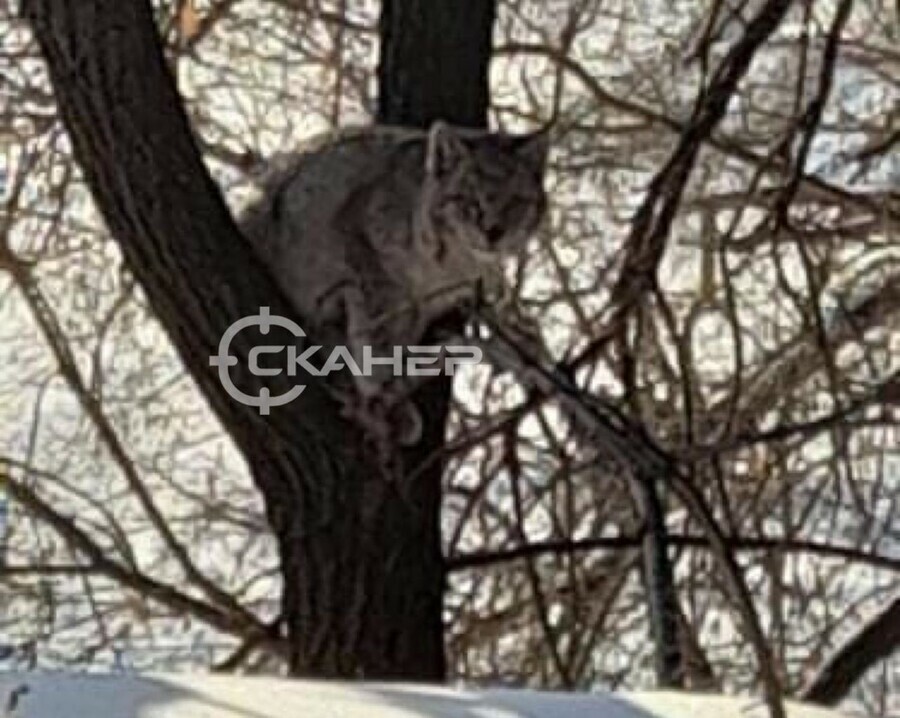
[445, 150]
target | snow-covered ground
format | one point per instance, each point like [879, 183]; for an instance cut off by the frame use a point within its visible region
[166, 696]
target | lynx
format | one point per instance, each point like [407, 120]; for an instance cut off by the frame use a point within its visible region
[376, 233]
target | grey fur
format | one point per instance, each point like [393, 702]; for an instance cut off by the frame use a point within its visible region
[377, 232]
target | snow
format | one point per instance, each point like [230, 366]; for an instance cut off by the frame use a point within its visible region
[48, 695]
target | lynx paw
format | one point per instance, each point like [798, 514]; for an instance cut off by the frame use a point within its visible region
[387, 421]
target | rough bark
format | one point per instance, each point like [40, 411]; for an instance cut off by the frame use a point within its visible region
[361, 556]
[434, 61]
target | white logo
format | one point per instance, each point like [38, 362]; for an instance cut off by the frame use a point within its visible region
[264, 320]
[403, 361]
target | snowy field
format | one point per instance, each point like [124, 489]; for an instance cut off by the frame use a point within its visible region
[160, 696]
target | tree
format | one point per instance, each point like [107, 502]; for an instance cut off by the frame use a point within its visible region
[360, 554]
[738, 158]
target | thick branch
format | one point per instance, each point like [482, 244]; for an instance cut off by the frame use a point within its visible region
[875, 641]
[132, 140]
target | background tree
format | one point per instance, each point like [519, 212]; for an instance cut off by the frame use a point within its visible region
[763, 359]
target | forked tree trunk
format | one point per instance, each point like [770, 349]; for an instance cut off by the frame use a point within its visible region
[361, 557]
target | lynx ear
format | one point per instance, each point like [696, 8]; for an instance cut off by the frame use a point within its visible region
[533, 149]
[445, 150]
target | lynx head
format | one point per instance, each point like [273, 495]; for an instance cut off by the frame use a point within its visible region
[484, 188]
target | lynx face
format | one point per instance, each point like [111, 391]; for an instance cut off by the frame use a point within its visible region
[484, 189]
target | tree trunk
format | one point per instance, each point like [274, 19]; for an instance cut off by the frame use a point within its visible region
[434, 61]
[361, 556]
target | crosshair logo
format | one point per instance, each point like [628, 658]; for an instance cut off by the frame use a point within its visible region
[401, 361]
[265, 320]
